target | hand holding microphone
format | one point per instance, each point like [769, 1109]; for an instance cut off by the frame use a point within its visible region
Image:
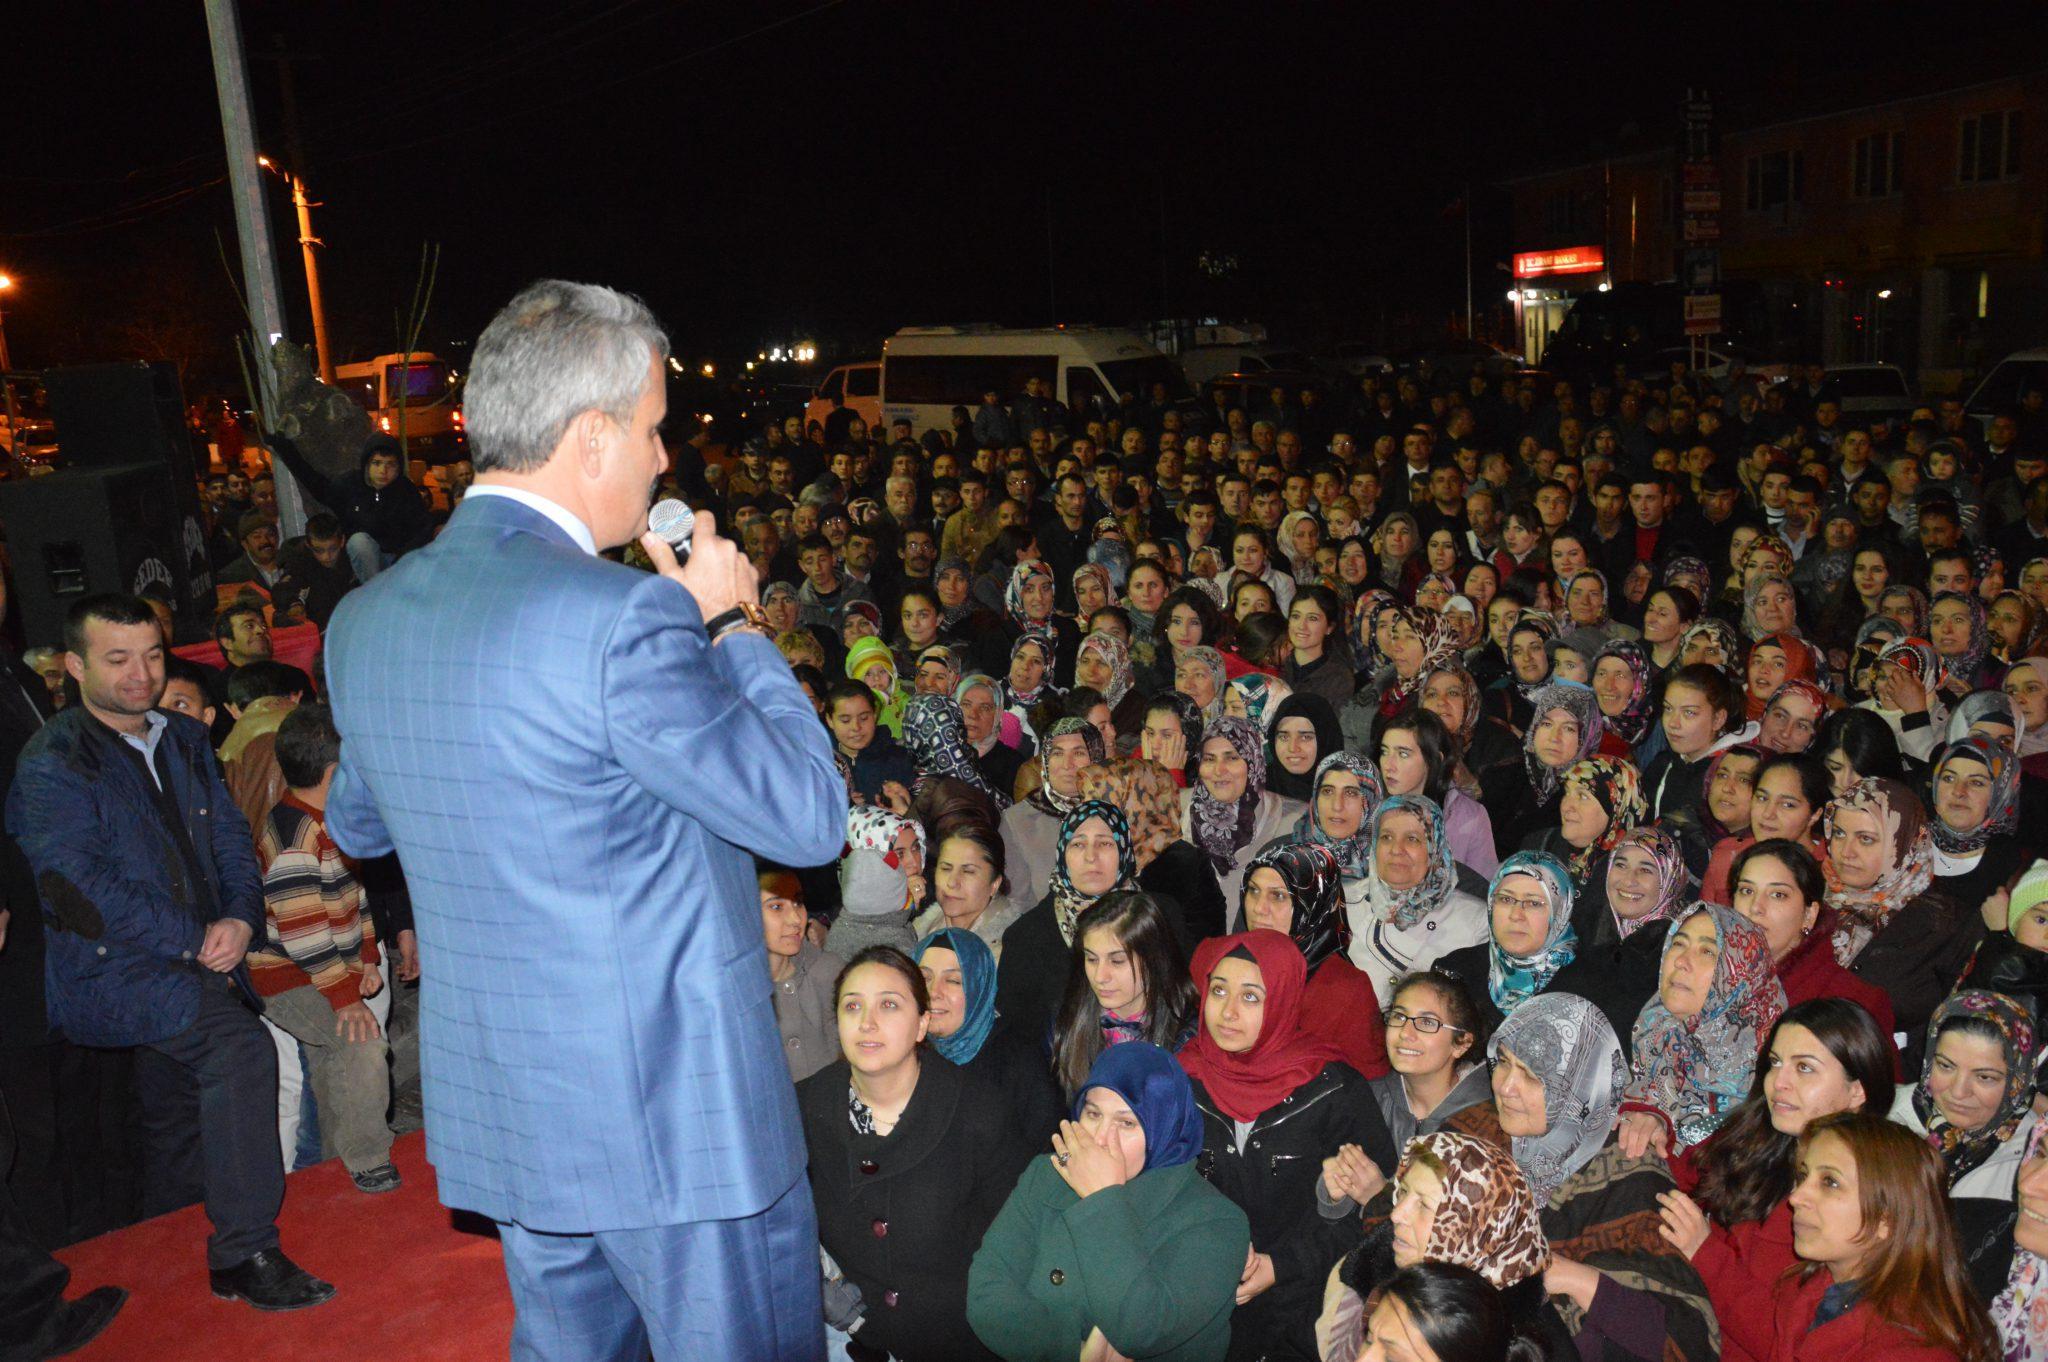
[685, 547]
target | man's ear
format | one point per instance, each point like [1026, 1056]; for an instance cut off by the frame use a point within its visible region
[591, 431]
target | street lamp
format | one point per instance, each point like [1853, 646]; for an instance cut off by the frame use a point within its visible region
[6, 284]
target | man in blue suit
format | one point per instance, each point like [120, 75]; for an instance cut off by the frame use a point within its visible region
[573, 760]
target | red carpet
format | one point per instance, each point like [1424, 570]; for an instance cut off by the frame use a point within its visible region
[408, 1284]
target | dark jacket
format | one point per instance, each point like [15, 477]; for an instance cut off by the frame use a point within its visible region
[902, 1214]
[1153, 1263]
[1015, 1065]
[1916, 958]
[1272, 1178]
[125, 920]
[396, 516]
[24, 709]
[1617, 975]
[1033, 971]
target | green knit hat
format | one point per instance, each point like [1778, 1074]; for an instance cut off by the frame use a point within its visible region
[2030, 892]
[865, 653]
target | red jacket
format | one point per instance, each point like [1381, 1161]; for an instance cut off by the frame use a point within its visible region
[1778, 1326]
[1340, 1006]
[1744, 1263]
[1811, 972]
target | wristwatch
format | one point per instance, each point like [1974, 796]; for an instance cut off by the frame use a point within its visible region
[744, 615]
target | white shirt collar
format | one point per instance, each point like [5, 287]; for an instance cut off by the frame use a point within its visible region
[534, 501]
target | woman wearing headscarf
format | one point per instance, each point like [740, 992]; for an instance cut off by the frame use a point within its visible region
[1715, 642]
[1586, 607]
[1397, 555]
[1339, 815]
[1621, 921]
[994, 735]
[1226, 810]
[1565, 727]
[1974, 1105]
[1418, 755]
[1103, 663]
[1029, 681]
[1769, 606]
[1170, 868]
[1456, 1200]
[2021, 1309]
[881, 878]
[1407, 913]
[1528, 671]
[1906, 606]
[1774, 660]
[1031, 827]
[1093, 857]
[2026, 685]
[1302, 731]
[1299, 889]
[1530, 938]
[1200, 675]
[1093, 590]
[1452, 693]
[1906, 684]
[1626, 690]
[1697, 1040]
[1778, 885]
[1975, 787]
[1960, 631]
[1254, 696]
[1275, 1102]
[1152, 1268]
[1603, 798]
[960, 980]
[935, 731]
[1890, 929]
[1558, 1076]
[1417, 642]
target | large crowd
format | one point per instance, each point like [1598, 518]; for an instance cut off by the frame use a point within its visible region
[1472, 869]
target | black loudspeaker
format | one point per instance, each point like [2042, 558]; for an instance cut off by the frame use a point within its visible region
[113, 414]
[85, 530]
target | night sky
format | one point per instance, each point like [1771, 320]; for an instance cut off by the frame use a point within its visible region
[764, 169]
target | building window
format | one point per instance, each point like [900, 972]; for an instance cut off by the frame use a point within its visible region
[1774, 180]
[1989, 147]
[1875, 166]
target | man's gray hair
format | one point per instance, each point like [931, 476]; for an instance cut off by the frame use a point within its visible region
[555, 351]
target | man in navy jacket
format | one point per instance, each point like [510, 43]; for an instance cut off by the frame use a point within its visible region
[150, 896]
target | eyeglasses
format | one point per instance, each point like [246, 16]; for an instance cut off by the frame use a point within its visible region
[1526, 905]
[1396, 1017]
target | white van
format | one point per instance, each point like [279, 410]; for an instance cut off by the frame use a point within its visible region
[2003, 387]
[414, 397]
[856, 386]
[929, 370]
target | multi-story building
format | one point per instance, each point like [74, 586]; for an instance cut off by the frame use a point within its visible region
[1909, 230]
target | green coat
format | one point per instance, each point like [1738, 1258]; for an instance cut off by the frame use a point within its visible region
[1154, 1264]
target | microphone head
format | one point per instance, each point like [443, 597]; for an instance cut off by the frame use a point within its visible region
[673, 520]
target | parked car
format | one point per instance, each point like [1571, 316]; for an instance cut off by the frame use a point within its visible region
[1872, 391]
[1204, 362]
[1356, 358]
[1725, 360]
[2009, 380]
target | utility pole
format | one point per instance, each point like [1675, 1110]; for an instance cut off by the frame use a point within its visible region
[1468, 260]
[288, 103]
[252, 217]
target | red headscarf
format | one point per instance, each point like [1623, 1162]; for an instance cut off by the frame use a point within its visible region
[1802, 663]
[1284, 1056]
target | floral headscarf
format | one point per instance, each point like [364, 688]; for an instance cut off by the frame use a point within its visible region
[1723, 633]
[2003, 814]
[1213, 661]
[1403, 908]
[1972, 660]
[1514, 979]
[1615, 784]
[1579, 702]
[1145, 791]
[1568, 1044]
[1047, 800]
[1013, 599]
[1098, 573]
[936, 735]
[1045, 686]
[1353, 853]
[1862, 913]
[1713, 826]
[1691, 573]
[1917, 656]
[1633, 723]
[1439, 645]
[1674, 879]
[1262, 695]
[1695, 1070]
[1916, 599]
[1116, 655]
[1315, 882]
[1488, 1219]
[1566, 619]
[1964, 1150]
[1068, 903]
[1222, 830]
[2021, 1310]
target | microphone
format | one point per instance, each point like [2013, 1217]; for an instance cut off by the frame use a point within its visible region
[672, 519]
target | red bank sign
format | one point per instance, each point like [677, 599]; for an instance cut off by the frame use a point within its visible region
[1570, 260]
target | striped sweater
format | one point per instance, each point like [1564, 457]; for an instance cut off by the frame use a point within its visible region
[315, 928]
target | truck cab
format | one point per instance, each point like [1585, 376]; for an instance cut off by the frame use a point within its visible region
[415, 399]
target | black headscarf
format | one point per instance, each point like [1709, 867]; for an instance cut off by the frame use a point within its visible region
[1329, 738]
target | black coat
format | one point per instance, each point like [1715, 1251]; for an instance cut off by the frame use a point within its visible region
[24, 1019]
[902, 1214]
[1272, 1179]
[1615, 975]
[1917, 958]
[1182, 875]
[1033, 971]
[396, 516]
[1016, 1066]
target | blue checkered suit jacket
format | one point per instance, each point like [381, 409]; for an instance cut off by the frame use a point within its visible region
[573, 779]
